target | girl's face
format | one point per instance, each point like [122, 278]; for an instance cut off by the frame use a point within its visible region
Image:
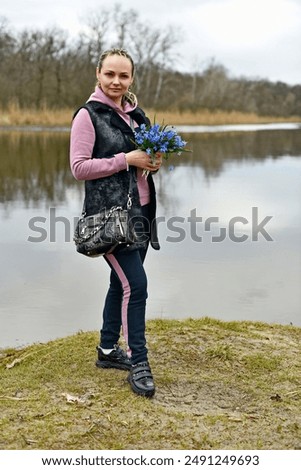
[115, 77]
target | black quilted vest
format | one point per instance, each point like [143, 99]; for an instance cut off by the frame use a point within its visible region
[112, 136]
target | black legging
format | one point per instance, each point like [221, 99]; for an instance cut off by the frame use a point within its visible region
[125, 302]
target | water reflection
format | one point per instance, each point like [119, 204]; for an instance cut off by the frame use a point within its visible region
[34, 166]
[212, 152]
[45, 287]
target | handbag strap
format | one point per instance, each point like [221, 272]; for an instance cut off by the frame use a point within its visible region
[130, 170]
[129, 201]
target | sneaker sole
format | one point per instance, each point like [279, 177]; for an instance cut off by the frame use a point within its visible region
[138, 391]
[112, 365]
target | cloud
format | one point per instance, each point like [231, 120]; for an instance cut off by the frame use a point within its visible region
[249, 37]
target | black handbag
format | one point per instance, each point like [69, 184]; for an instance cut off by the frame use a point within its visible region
[99, 234]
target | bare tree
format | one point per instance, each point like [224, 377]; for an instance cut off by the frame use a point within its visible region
[44, 67]
[40, 56]
[123, 20]
[95, 34]
[7, 49]
[154, 51]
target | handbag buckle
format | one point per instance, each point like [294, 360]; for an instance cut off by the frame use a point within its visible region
[129, 203]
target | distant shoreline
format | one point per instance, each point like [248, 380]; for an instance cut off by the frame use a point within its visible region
[60, 119]
[185, 129]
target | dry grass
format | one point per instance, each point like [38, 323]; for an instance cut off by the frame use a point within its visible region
[15, 116]
[220, 385]
[207, 117]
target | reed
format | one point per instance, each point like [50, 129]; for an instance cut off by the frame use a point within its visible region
[218, 117]
[14, 115]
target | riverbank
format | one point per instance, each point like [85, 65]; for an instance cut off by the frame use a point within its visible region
[15, 116]
[220, 385]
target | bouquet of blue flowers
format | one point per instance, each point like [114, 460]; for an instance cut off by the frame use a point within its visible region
[159, 139]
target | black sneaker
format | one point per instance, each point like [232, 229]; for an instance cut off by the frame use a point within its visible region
[117, 359]
[141, 379]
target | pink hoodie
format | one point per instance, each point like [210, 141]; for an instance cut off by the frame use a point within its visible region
[82, 140]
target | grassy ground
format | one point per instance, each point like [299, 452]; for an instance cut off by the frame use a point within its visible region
[220, 385]
[14, 116]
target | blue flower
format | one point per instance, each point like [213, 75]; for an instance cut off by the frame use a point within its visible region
[156, 138]
[163, 147]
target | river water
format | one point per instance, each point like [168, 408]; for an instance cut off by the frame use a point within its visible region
[229, 225]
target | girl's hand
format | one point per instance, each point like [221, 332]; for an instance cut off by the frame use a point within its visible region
[141, 159]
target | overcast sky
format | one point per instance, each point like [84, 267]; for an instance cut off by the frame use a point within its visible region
[251, 38]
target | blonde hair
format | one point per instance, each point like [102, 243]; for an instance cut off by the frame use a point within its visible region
[129, 96]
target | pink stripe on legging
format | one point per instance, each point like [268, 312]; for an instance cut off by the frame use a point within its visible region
[126, 296]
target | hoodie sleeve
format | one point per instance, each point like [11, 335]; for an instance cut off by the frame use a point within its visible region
[82, 139]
